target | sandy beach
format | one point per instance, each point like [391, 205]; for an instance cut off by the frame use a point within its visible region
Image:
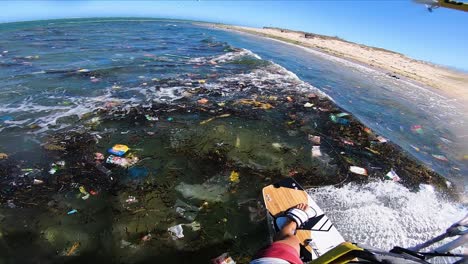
[446, 82]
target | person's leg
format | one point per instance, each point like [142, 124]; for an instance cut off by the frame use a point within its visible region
[286, 234]
[285, 248]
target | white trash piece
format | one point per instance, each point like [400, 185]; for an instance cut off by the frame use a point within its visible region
[316, 151]
[382, 139]
[37, 182]
[176, 231]
[358, 170]
[131, 200]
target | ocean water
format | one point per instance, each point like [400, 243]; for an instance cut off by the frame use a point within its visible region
[61, 76]
[387, 105]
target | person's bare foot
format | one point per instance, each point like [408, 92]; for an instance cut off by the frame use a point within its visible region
[287, 233]
[302, 206]
[300, 214]
[292, 225]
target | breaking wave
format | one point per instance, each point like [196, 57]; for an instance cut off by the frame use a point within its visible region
[265, 75]
[386, 214]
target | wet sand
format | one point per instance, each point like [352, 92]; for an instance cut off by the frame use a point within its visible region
[444, 81]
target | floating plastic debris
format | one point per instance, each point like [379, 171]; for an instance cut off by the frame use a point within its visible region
[118, 150]
[3, 156]
[440, 157]
[176, 231]
[11, 204]
[446, 141]
[84, 193]
[342, 115]
[151, 118]
[195, 226]
[339, 120]
[415, 148]
[98, 156]
[277, 145]
[234, 177]
[131, 200]
[56, 166]
[382, 139]
[391, 175]
[74, 211]
[358, 170]
[83, 190]
[316, 151]
[37, 182]
[147, 237]
[308, 105]
[314, 139]
[203, 101]
[449, 184]
[417, 129]
[347, 142]
[223, 259]
[123, 162]
[72, 250]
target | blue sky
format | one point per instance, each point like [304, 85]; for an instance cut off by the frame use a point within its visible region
[401, 25]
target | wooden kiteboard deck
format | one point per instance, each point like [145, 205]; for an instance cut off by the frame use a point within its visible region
[318, 234]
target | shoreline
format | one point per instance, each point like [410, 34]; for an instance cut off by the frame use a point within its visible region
[442, 81]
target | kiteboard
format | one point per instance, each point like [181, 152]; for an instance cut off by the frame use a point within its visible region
[318, 235]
